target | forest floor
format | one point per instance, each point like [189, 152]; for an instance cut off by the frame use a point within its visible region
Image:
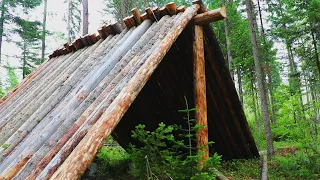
[288, 163]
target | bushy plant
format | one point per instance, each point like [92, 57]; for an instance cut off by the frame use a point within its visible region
[161, 155]
[110, 162]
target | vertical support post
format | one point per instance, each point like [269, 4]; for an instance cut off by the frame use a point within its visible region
[200, 93]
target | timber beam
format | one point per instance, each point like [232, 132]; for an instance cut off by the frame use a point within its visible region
[200, 93]
[210, 16]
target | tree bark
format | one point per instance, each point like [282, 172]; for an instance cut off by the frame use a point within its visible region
[44, 23]
[269, 73]
[260, 79]
[256, 119]
[85, 16]
[200, 93]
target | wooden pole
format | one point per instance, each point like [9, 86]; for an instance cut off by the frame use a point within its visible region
[210, 16]
[76, 163]
[200, 93]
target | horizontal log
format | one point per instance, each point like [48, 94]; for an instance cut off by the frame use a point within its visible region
[144, 16]
[210, 16]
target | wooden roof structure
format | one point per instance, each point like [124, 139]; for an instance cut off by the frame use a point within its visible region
[55, 121]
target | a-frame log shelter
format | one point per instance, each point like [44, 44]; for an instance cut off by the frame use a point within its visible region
[54, 122]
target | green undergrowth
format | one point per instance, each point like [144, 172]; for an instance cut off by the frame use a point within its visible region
[110, 163]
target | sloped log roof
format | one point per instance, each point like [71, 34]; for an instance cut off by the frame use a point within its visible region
[58, 111]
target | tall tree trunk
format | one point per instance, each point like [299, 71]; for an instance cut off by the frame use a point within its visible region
[296, 82]
[269, 73]
[256, 119]
[260, 79]
[44, 23]
[85, 16]
[2, 18]
[227, 32]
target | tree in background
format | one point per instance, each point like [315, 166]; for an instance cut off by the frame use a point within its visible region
[44, 30]
[73, 19]
[8, 13]
[30, 34]
[260, 79]
[122, 8]
[119, 8]
[12, 79]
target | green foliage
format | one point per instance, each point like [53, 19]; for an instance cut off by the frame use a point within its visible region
[30, 33]
[298, 166]
[112, 162]
[5, 146]
[161, 155]
[166, 156]
[12, 79]
[2, 92]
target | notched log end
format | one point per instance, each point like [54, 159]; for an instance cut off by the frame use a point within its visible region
[171, 8]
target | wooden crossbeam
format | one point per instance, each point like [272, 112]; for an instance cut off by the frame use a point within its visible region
[210, 16]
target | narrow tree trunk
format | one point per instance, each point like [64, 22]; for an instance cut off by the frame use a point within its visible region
[256, 119]
[2, 18]
[44, 23]
[85, 16]
[260, 79]
[24, 63]
[227, 32]
[69, 21]
[269, 74]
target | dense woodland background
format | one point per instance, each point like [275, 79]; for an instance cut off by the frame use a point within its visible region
[271, 48]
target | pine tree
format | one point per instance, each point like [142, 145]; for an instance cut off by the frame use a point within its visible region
[30, 34]
[8, 14]
[73, 19]
[260, 79]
